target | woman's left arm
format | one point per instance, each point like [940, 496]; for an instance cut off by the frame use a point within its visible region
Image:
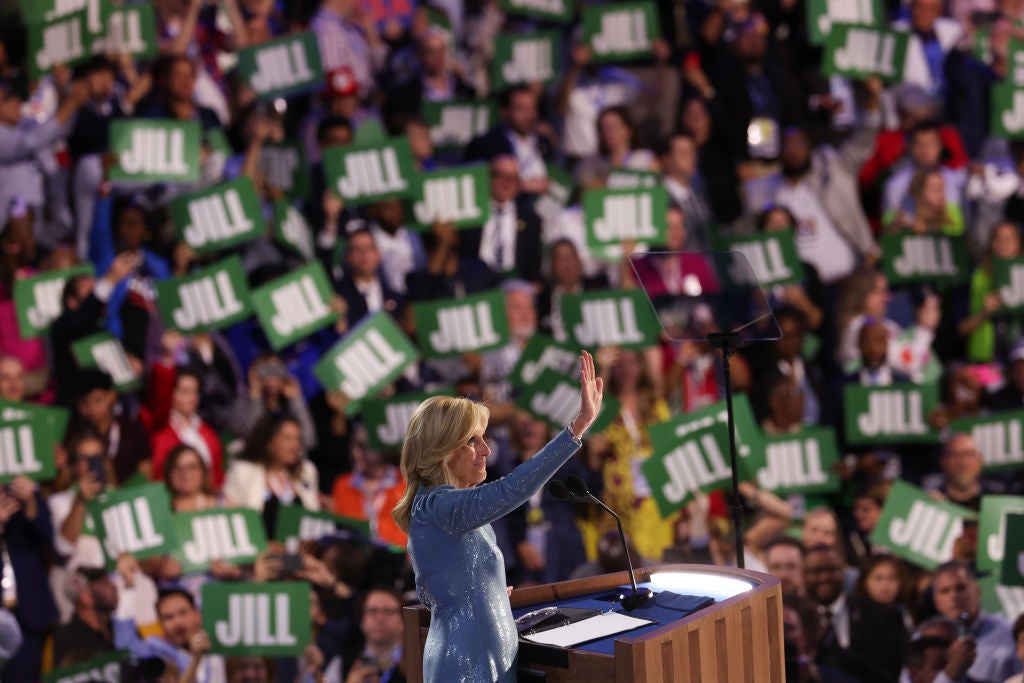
[461, 511]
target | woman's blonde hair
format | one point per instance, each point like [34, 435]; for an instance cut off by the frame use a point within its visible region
[438, 426]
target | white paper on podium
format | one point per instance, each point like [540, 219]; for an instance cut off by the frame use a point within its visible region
[596, 627]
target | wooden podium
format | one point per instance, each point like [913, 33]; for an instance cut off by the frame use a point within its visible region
[735, 640]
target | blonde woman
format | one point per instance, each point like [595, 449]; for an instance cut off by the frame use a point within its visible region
[460, 573]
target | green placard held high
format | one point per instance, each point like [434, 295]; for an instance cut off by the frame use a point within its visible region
[216, 296]
[614, 216]
[937, 259]
[28, 435]
[234, 536]
[60, 40]
[1007, 99]
[998, 436]
[460, 196]
[621, 31]
[618, 317]
[772, 256]
[155, 150]
[823, 14]
[37, 298]
[918, 528]
[130, 29]
[268, 619]
[524, 58]
[105, 667]
[369, 357]
[550, 10]
[284, 165]
[451, 327]
[222, 216]
[992, 536]
[455, 123]
[891, 414]
[1012, 567]
[800, 463]
[104, 352]
[861, 52]
[555, 399]
[135, 520]
[291, 230]
[295, 305]
[542, 353]
[281, 67]
[361, 174]
[295, 524]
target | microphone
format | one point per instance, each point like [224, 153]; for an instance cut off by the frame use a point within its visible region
[577, 488]
[559, 490]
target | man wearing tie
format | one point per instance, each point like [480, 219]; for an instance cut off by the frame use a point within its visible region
[509, 243]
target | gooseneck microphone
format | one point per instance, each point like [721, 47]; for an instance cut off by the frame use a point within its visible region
[576, 489]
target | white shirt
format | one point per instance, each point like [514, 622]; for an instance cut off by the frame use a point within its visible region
[396, 256]
[840, 620]
[585, 104]
[498, 241]
[527, 152]
[373, 293]
[817, 240]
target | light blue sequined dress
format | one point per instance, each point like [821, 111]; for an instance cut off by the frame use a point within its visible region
[460, 572]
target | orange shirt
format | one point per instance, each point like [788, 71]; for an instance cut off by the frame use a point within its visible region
[349, 502]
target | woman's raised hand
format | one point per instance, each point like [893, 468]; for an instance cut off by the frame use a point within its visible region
[591, 394]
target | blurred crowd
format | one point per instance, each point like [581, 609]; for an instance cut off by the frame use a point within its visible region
[730, 113]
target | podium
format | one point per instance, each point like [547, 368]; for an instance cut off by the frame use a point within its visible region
[737, 639]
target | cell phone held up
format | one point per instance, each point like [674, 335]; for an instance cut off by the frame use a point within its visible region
[98, 469]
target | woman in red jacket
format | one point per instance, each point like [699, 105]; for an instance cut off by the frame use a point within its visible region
[184, 426]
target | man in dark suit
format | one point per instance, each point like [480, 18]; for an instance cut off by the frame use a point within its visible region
[517, 135]
[361, 286]
[435, 82]
[510, 241]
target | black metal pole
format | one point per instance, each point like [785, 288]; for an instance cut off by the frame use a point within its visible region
[728, 342]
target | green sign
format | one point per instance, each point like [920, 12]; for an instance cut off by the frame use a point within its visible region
[460, 196]
[368, 173]
[555, 399]
[620, 31]
[220, 217]
[918, 528]
[773, 257]
[284, 165]
[800, 463]
[267, 619]
[1007, 99]
[861, 52]
[37, 298]
[387, 420]
[28, 435]
[291, 230]
[295, 305]
[542, 353]
[232, 535]
[998, 438]
[450, 327]
[131, 29]
[155, 150]
[105, 668]
[216, 296]
[104, 352]
[1012, 566]
[366, 360]
[295, 524]
[1004, 601]
[560, 11]
[61, 40]
[137, 521]
[1008, 283]
[613, 317]
[614, 216]
[893, 414]
[992, 535]
[282, 67]
[822, 14]
[936, 259]
[627, 179]
[519, 58]
[455, 123]
[691, 452]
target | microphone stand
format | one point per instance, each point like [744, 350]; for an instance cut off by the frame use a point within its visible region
[728, 342]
